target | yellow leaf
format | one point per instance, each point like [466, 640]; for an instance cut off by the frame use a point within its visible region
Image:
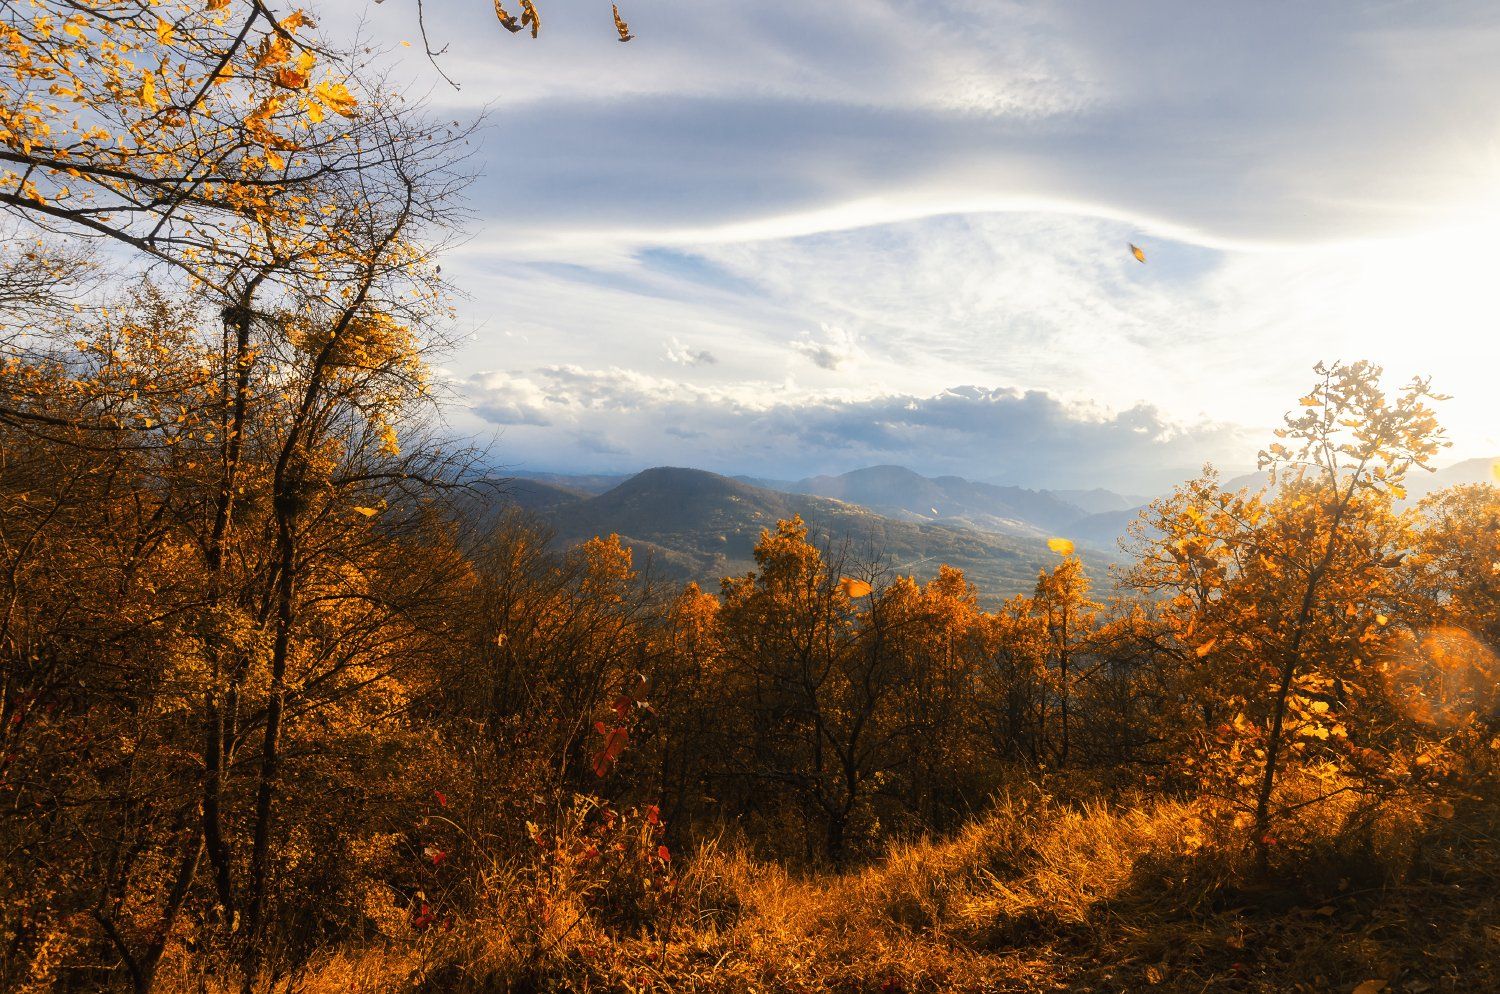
[1061, 546]
[620, 26]
[336, 97]
[854, 588]
[274, 51]
[1135, 250]
[148, 92]
[530, 16]
[1381, 619]
[368, 512]
[217, 4]
[1206, 648]
[164, 32]
[291, 79]
[1310, 400]
[296, 20]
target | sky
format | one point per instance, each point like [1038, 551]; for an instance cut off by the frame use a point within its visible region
[786, 238]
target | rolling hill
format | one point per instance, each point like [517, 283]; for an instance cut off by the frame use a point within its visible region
[694, 525]
[900, 493]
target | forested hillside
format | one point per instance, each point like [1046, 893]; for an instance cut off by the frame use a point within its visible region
[688, 525]
[291, 701]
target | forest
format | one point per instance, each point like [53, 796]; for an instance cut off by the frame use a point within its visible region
[289, 701]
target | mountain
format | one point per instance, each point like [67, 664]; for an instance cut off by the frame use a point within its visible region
[1420, 484]
[900, 493]
[765, 484]
[1104, 530]
[695, 525]
[1100, 501]
[585, 483]
[534, 495]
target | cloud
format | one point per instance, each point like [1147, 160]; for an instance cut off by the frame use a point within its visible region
[684, 356]
[1227, 124]
[952, 186]
[837, 349]
[1006, 435]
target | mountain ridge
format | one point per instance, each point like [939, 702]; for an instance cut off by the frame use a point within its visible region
[697, 525]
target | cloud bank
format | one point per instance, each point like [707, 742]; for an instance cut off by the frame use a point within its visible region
[1007, 436]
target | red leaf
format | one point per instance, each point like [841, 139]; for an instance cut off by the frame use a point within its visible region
[442, 798]
[663, 854]
[622, 707]
[600, 728]
[614, 744]
[653, 814]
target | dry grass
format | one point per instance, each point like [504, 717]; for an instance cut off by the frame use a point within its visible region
[1036, 896]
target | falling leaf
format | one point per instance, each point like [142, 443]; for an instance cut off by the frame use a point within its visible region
[368, 512]
[1136, 251]
[1061, 546]
[1206, 648]
[854, 588]
[507, 20]
[530, 16]
[620, 25]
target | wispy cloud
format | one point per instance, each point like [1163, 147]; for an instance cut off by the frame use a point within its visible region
[951, 187]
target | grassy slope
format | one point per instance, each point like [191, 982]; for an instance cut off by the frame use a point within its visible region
[1036, 896]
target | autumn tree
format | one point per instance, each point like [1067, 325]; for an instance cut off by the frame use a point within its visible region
[1281, 599]
[1062, 602]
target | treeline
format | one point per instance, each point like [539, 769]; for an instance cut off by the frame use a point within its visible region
[334, 714]
[267, 689]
